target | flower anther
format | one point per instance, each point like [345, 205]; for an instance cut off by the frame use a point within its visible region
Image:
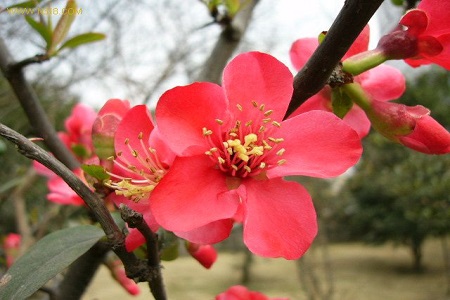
[247, 148]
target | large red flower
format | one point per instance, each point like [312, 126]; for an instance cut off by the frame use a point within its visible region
[234, 149]
[382, 83]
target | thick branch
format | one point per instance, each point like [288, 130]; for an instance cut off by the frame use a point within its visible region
[135, 268]
[32, 107]
[354, 15]
[226, 44]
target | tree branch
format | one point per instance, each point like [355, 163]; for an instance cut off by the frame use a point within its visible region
[226, 44]
[32, 107]
[134, 267]
[354, 15]
[136, 220]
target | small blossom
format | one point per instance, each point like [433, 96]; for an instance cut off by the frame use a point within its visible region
[117, 270]
[239, 292]
[206, 255]
[383, 83]
[426, 39]
[233, 150]
[11, 246]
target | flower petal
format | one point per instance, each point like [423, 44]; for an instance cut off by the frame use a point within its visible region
[437, 12]
[259, 77]
[361, 43]
[320, 101]
[184, 111]
[358, 120]
[301, 51]
[317, 144]
[383, 83]
[211, 233]
[132, 136]
[428, 137]
[280, 218]
[188, 196]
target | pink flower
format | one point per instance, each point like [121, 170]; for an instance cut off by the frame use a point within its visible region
[206, 255]
[427, 37]
[383, 83]
[233, 151]
[11, 246]
[118, 273]
[77, 136]
[239, 292]
[142, 160]
[410, 126]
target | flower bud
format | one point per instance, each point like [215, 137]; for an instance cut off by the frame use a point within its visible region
[206, 255]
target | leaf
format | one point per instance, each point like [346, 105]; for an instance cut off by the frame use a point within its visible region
[340, 102]
[81, 39]
[47, 258]
[96, 171]
[170, 245]
[63, 26]
[40, 28]
[232, 6]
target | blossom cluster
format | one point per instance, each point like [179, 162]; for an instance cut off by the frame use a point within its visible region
[217, 156]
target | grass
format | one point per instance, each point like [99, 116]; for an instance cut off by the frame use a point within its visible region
[358, 271]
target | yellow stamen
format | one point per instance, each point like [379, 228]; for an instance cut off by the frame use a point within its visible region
[281, 161]
[206, 132]
[275, 123]
[281, 151]
[268, 113]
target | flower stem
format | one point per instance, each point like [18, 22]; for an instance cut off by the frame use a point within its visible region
[358, 95]
[364, 61]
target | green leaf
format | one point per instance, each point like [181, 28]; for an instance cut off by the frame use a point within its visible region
[397, 2]
[232, 6]
[169, 246]
[26, 4]
[40, 28]
[47, 258]
[95, 171]
[62, 27]
[81, 39]
[80, 150]
[340, 102]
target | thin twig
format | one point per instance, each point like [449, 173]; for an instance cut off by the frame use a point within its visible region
[354, 15]
[33, 109]
[226, 44]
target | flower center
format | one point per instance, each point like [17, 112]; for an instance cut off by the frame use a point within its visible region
[247, 149]
[144, 173]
